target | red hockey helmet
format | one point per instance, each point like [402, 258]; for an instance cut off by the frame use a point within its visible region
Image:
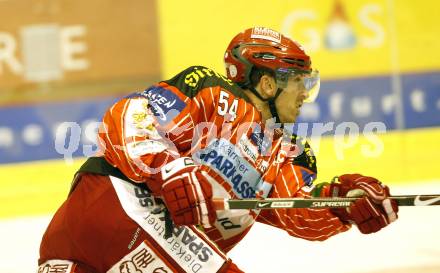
[265, 48]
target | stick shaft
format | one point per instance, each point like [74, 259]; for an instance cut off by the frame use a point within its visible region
[328, 202]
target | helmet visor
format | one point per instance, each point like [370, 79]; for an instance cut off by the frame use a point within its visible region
[310, 81]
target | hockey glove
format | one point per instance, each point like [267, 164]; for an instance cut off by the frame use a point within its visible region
[370, 213]
[187, 194]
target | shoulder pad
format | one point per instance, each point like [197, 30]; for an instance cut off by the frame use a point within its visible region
[195, 78]
[307, 158]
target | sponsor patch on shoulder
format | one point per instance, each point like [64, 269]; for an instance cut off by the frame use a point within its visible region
[59, 266]
[164, 104]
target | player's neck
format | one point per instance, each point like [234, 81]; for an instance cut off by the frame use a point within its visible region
[261, 106]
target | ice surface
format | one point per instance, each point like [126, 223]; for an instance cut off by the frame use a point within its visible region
[412, 244]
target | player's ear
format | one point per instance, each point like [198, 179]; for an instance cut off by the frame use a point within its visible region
[268, 86]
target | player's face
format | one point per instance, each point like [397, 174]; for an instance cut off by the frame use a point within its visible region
[291, 99]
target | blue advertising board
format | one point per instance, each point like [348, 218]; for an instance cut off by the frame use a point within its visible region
[372, 99]
[29, 132]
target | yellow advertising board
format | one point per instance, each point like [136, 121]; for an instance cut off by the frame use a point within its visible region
[345, 38]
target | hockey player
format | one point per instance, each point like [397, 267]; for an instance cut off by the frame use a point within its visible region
[169, 150]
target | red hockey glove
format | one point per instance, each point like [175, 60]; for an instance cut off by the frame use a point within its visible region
[187, 193]
[372, 212]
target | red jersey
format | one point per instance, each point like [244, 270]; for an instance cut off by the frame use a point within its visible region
[201, 114]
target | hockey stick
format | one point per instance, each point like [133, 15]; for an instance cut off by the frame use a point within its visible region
[328, 202]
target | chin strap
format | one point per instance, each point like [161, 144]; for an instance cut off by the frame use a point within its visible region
[270, 101]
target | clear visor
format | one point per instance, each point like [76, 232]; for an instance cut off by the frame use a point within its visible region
[311, 81]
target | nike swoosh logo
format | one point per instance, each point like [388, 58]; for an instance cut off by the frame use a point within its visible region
[186, 162]
[418, 202]
[262, 205]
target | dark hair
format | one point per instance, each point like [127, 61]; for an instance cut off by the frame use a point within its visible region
[257, 73]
